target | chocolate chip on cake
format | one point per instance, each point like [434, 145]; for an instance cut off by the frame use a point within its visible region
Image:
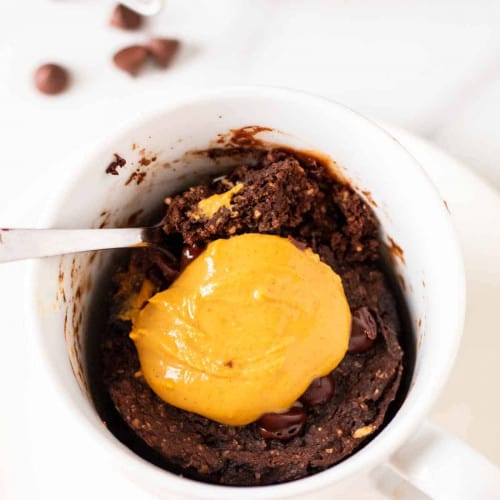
[282, 426]
[188, 254]
[51, 79]
[125, 18]
[363, 330]
[131, 59]
[320, 391]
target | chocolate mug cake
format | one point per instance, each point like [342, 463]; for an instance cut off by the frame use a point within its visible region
[264, 341]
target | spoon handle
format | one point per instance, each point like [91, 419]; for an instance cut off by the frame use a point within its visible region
[17, 244]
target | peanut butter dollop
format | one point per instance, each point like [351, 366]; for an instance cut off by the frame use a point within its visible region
[244, 329]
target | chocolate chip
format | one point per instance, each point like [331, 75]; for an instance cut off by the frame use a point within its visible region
[282, 425]
[125, 18]
[319, 392]
[363, 330]
[163, 50]
[188, 254]
[131, 59]
[164, 264]
[51, 79]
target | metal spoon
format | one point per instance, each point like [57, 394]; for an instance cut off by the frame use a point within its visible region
[17, 244]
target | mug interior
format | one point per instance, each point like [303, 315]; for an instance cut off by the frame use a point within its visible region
[160, 161]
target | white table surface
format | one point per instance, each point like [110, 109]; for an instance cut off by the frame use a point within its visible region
[430, 66]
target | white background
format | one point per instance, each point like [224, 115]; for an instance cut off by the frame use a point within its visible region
[431, 66]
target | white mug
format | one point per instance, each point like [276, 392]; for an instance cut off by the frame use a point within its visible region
[411, 214]
[144, 7]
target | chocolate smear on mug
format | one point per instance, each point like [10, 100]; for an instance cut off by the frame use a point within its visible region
[117, 163]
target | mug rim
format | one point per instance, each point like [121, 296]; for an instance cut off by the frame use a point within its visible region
[388, 439]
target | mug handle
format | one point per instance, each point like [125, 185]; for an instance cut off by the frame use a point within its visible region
[144, 7]
[434, 464]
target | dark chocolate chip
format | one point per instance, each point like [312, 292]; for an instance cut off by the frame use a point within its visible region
[51, 79]
[188, 254]
[125, 18]
[282, 425]
[164, 264]
[131, 59]
[163, 50]
[319, 392]
[363, 330]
